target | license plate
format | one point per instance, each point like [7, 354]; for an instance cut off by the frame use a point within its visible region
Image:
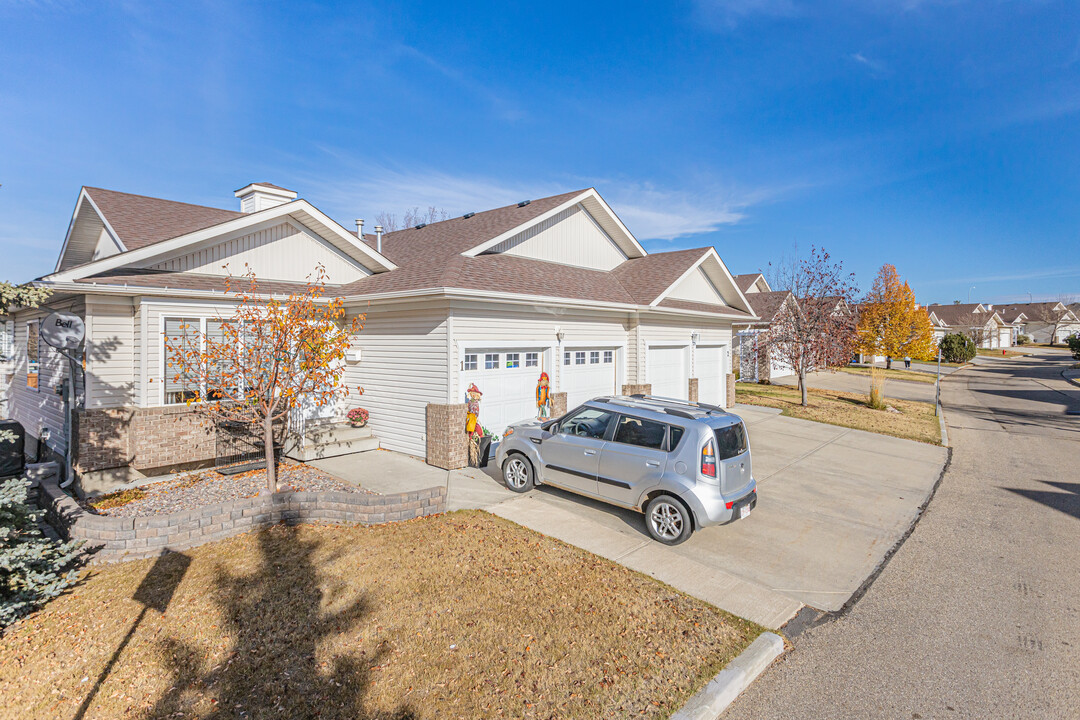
[744, 511]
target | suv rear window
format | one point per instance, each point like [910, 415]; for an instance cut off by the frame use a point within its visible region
[730, 441]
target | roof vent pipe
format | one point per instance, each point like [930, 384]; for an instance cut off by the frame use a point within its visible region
[378, 238]
[360, 229]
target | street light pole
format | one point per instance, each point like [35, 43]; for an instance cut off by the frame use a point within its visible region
[937, 389]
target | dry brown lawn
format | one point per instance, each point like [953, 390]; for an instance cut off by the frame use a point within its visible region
[894, 374]
[915, 421]
[458, 616]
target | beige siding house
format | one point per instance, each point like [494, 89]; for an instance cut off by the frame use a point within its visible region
[556, 285]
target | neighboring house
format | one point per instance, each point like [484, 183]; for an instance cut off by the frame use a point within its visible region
[982, 323]
[1041, 321]
[755, 362]
[493, 298]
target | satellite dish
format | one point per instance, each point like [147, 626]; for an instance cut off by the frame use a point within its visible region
[63, 331]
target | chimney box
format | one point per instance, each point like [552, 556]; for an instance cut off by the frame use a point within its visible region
[261, 196]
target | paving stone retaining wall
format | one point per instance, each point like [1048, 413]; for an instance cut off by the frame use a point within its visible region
[113, 539]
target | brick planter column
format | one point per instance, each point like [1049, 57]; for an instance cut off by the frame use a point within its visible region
[692, 390]
[558, 404]
[731, 390]
[446, 443]
[645, 389]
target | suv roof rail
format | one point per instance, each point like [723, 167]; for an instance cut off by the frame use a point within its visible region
[698, 405]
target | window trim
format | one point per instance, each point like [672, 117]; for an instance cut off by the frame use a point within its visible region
[36, 387]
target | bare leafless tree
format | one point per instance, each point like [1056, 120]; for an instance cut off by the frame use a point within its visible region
[411, 218]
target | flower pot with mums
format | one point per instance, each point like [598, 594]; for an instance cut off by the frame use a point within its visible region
[357, 417]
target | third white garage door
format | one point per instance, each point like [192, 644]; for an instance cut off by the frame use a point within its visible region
[666, 371]
[588, 373]
[709, 369]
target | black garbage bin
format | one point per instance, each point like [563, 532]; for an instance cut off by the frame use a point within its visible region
[12, 452]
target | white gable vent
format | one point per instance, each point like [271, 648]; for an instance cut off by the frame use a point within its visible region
[260, 196]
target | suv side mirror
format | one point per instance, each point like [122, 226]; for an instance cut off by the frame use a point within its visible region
[546, 435]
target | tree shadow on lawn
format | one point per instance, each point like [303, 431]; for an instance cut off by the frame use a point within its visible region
[277, 621]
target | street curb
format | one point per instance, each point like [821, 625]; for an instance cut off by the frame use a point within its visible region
[1074, 381]
[713, 699]
[941, 422]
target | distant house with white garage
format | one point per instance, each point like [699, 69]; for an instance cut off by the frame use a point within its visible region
[1041, 321]
[556, 285]
[982, 323]
[756, 361]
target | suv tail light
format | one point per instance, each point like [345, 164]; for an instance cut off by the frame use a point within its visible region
[708, 460]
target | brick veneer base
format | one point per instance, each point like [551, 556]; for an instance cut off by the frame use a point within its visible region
[558, 404]
[731, 390]
[144, 437]
[447, 444]
[114, 539]
[645, 389]
[692, 390]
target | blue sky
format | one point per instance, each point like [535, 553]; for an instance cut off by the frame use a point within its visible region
[941, 136]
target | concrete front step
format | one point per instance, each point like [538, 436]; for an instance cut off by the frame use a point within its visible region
[325, 441]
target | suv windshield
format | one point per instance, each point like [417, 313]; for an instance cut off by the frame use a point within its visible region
[730, 441]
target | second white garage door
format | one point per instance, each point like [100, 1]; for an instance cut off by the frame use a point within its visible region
[667, 371]
[588, 373]
[709, 369]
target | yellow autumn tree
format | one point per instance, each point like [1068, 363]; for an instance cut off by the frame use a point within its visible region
[891, 323]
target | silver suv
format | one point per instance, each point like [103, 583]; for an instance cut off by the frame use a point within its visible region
[685, 465]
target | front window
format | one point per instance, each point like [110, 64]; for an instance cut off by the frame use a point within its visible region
[587, 422]
[32, 365]
[181, 337]
[491, 361]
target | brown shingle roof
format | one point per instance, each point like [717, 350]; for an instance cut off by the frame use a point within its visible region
[648, 276]
[428, 258]
[958, 314]
[140, 221]
[746, 281]
[703, 307]
[766, 304]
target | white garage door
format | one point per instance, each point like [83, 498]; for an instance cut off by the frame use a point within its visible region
[1006, 337]
[709, 368]
[588, 373]
[667, 371]
[507, 379]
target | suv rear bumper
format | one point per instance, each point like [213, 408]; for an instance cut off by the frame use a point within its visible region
[711, 508]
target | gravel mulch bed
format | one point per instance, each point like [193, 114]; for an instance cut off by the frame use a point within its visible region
[185, 491]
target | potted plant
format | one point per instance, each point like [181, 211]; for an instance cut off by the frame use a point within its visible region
[357, 417]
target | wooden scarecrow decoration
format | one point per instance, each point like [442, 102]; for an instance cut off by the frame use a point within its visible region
[543, 397]
[472, 425]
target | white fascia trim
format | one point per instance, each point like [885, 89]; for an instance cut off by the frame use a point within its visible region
[588, 194]
[352, 240]
[82, 288]
[83, 195]
[167, 247]
[710, 253]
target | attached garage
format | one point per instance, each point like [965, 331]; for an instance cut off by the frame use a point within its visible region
[507, 378]
[666, 371]
[588, 373]
[709, 369]
[1005, 337]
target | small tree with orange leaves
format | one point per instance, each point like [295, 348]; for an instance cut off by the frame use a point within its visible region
[891, 323]
[265, 359]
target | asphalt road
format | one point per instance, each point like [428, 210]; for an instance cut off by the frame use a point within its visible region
[978, 613]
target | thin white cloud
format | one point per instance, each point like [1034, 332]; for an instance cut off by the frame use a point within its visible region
[876, 67]
[649, 211]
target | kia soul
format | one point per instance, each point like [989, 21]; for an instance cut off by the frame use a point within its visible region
[685, 465]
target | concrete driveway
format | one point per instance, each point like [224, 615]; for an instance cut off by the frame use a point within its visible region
[847, 382]
[831, 503]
